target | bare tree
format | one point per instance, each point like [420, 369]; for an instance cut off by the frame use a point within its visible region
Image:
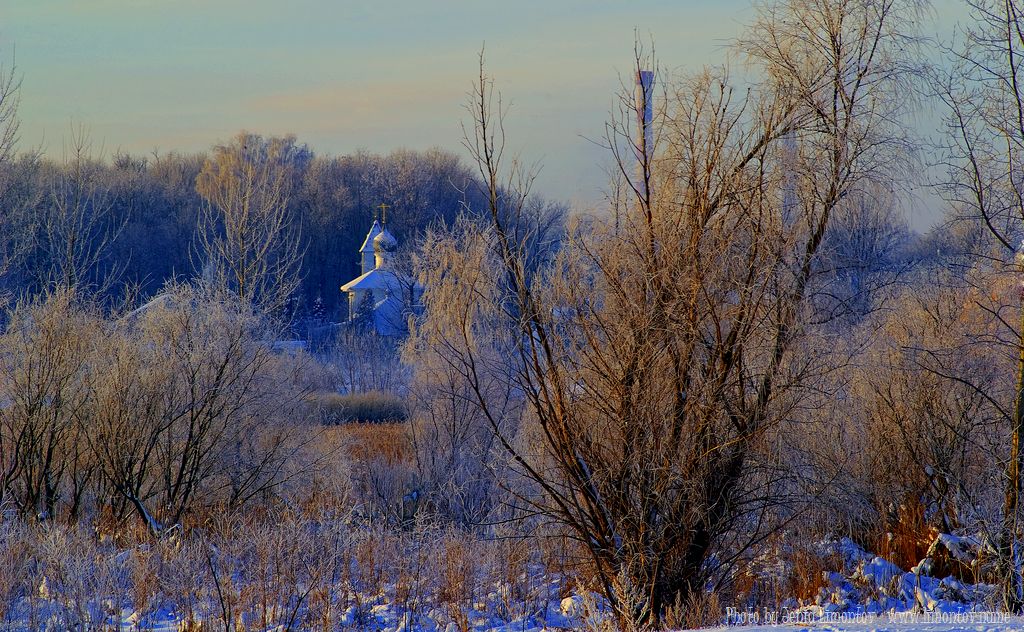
[10, 99]
[248, 238]
[927, 387]
[984, 157]
[77, 226]
[45, 377]
[194, 408]
[13, 176]
[652, 365]
[459, 461]
[866, 256]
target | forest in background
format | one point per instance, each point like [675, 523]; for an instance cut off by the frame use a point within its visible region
[139, 216]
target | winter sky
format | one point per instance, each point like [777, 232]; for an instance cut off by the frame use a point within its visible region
[346, 74]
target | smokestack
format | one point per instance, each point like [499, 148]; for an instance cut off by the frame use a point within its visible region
[644, 114]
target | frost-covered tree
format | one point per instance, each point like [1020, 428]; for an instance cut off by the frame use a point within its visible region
[984, 159]
[78, 225]
[638, 381]
[194, 409]
[47, 349]
[247, 233]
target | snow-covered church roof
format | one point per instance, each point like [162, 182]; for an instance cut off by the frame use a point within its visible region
[376, 279]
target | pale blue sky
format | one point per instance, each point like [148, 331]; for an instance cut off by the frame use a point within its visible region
[346, 74]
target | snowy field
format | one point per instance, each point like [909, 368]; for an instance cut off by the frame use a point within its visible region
[71, 586]
[384, 618]
[402, 585]
[384, 621]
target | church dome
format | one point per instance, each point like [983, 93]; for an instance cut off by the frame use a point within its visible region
[385, 242]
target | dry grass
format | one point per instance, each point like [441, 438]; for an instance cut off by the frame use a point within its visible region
[904, 541]
[368, 407]
[375, 441]
[808, 572]
[701, 610]
[283, 571]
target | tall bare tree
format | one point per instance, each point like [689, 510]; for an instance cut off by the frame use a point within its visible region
[13, 207]
[652, 364]
[78, 225]
[249, 240]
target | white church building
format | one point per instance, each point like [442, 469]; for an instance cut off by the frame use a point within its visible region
[381, 294]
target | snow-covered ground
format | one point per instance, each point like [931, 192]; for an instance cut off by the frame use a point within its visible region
[872, 594]
[432, 581]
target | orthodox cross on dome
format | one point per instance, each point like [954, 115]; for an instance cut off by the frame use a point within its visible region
[384, 213]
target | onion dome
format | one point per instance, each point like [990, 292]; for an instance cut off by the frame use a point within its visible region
[385, 242]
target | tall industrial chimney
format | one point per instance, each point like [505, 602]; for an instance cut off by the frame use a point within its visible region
[644, 114]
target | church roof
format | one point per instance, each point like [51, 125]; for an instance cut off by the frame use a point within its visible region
[376, 279]
[368, 242]
[388, 317]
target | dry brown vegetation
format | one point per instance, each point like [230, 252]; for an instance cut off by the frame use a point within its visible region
[366, 407]
[283, 570]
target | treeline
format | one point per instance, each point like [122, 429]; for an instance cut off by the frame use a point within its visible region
[134, 221]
